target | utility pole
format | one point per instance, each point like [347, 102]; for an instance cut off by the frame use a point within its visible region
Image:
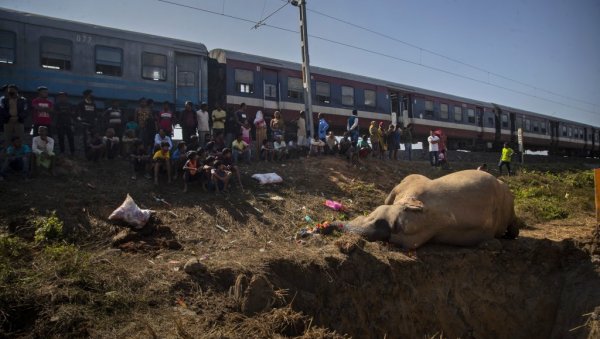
[301, 4]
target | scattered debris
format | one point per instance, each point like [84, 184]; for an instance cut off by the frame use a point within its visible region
[222, 228]
[334, 205]
[267, 178]
[277, 198]
[130, 213]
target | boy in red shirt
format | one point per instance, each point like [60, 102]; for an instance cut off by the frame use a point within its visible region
[42, 110]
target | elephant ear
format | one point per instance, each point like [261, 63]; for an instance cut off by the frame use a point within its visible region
[412, 204]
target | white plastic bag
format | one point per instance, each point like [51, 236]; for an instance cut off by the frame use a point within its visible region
[130, 213]
[267, 178]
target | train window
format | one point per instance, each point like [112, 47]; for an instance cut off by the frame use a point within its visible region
[570, 132]
[471, 116]
[295, 88]
[444, 111]
[56, 53]
[564, 131]
[428, 108]
[8, 46]
[457, 113]
[109, 61]
[543, 127]
[186, 79]
[527, 125]
[504, 121]
[581, 134]
[347, 96]
[154, 66]
[491, 121]
[244, 81]
[536, 127]
[370, 98]
[323, 92]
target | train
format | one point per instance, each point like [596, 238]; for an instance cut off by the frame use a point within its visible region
[117, 64]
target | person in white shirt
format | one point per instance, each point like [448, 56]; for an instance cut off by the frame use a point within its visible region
[161, 137]
[301, 133]
[280, 148]
[42, 148]
[433, 148]
[202, 117]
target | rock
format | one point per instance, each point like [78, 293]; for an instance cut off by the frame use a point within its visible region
[259, 296]
[124, 236]
[194, 267]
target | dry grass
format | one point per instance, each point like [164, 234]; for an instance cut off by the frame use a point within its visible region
[81, 286]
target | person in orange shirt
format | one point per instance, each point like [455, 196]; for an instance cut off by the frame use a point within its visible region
[190, 169]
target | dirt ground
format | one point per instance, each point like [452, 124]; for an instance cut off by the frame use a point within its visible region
[184, 277]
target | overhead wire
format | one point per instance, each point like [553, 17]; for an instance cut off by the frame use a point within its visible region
[446, 57]
[583, 110]
[262, 21]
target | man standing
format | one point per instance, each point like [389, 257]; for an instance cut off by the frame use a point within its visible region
[323, 127]
[240, 117]
[188, 120]
[13, 109]
[352, 127]
[433, 148]
[86, 111]
[42, 110]
[408, 141]
[301, 132]
[203, 123]
[64, 122]
[218, 118]
[507, 153]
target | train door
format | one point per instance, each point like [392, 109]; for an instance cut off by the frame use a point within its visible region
[187, 79]
[395, 106]
[271, 95]
[479, 114]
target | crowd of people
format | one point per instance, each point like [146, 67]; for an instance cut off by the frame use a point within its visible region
[212, 147]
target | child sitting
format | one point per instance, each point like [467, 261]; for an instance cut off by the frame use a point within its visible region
[179, 157]
[95, 148]
[132, 125]
[227, 159]
[280, 148]
[266, 151]
[128, 142]
[139, 160]
[363, 147]
[111, 143]
[162, 161]
[220, 177]
[332, 143]
[191, 170]
[316, 146]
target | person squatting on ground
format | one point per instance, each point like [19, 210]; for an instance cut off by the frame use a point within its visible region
[42, 149]
[323, 127]
[17, 158]
[331, 143]
[140, 160]
[266, 151]
[280, 148]
[240, 149]
[162, 161]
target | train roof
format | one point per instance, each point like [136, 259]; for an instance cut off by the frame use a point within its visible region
[40, 20]
[221, 55]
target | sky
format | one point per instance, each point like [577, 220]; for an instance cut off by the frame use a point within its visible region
[537, 55]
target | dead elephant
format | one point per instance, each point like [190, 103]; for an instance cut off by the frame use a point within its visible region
[463, 208]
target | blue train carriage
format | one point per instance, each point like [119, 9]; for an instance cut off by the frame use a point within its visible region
[116, 64]
[270, 84]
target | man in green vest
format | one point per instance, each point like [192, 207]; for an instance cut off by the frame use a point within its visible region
[507, 153]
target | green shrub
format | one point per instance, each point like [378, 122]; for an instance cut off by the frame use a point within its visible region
[11, 247]
[48, 229]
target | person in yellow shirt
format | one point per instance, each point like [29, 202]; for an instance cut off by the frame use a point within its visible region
[218, 120]
[507, 153]
[162, 160]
